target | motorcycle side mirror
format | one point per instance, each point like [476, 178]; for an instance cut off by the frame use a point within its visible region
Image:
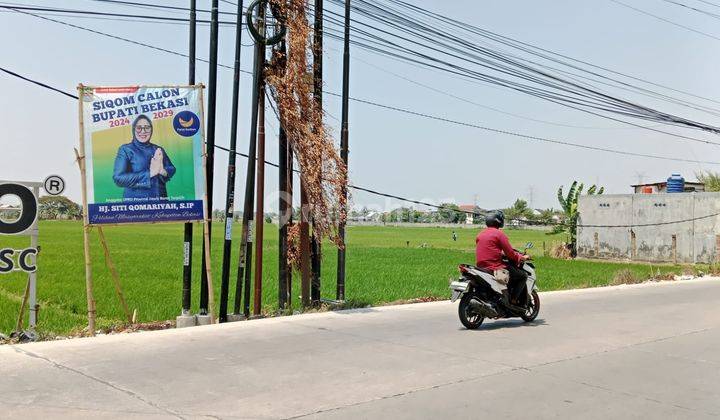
[529, 245]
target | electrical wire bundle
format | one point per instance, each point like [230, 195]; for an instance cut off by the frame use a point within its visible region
[403, 31]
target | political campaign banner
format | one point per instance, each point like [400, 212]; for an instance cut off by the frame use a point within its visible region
[143, 151]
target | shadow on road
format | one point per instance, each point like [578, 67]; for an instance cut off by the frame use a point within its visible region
[510, 323]
[350, 311]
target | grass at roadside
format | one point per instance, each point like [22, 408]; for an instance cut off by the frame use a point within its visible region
[382, 267]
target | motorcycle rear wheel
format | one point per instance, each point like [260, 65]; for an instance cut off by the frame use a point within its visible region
[533, 309]
[468, 319]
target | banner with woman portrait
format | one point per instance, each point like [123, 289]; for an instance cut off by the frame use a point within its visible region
[143, 149]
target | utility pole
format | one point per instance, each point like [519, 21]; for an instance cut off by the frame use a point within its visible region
[185, 319]
[210, 152]
[230, 193]
[340, 294]
[305, 269]
[290, 188]
[242, 287]
[317, 95]
[531, 191]
[284, 211]
[260, 206]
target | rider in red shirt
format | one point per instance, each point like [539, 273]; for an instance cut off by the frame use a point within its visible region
[490, 246]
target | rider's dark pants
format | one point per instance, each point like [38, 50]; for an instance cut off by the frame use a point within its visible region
[517, 284]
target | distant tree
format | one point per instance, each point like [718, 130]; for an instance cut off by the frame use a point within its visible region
[268, 219]
[450, 213]
[237, 216]
[385, 217]
[427, 217]
[547, 216]
[710, 179]
[402, 215]
[519, 210]
[58, 207]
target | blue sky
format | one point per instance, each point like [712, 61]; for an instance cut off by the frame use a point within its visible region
[396, 153]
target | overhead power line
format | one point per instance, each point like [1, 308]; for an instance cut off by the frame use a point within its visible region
[573, 103]
[163, 7]
[422, 42]
[709, 3]
[46, 86]
[378, 193]
[119, 38]
[432, 117]
[108, 14]
[704, 12]
[472, 102]
[398, 109]
[504, 39]
[602, 102]
[525, 136]
[543, 52]
[666, 20]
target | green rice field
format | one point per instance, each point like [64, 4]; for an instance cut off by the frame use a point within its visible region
[384, 264]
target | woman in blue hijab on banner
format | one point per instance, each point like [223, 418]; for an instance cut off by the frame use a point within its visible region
[142, 168]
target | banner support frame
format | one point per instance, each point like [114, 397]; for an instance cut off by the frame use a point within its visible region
[113, 273]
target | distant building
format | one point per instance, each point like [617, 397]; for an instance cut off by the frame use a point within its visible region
[674, 228]
[471, 211]
[661, 187]
[538, 212]
[10, 211]
[371, 216]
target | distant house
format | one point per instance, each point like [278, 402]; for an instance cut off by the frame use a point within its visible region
[10, 211]
[661, 187]
[538, 212]
[471, 211]
[371, 216]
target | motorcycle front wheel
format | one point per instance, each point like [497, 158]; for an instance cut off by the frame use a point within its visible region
[469, 319]
[533, 308]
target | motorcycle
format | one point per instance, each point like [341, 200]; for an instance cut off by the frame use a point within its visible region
[483, 295]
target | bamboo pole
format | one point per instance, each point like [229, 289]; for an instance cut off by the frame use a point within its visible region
[89, 280]
[206, 232]
[18, 326]
[116, 278]
[86, 226]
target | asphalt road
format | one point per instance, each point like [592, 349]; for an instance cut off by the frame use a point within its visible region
[647, 351]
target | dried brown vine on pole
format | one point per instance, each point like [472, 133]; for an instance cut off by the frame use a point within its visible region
[290, 80]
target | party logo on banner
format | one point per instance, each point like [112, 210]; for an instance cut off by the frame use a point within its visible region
[186, 123]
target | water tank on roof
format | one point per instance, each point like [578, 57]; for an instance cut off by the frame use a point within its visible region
[676, 183]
